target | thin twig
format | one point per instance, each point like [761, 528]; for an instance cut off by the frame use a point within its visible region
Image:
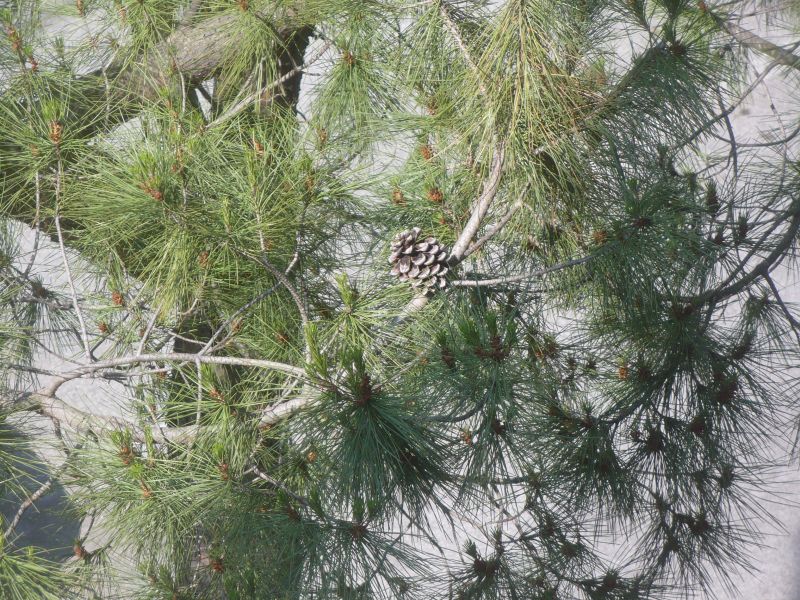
[724, 114]
[277, 484]
[521, 277]
[150, 324]
[793, 322]
[750, 40]
[199, 391]
[298, 300]
[244, 102]
[43, 489]
[67, 271]
[36, 224]
[168, 357]
[497, 227]
[452, 28]
[482, 205]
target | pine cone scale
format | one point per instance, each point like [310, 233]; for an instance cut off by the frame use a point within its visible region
[421, 262]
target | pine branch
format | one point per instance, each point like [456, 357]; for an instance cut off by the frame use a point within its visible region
[84, 335]
[195, 50]
[730, 288]
[498, 281]
[793, 322]
[48, 404]
[501, 223]
[481, 206]
[752, 41]
[252, 97]
[26, 504]
[452, 28]
[125, 361]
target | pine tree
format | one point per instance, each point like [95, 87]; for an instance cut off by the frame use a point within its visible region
[426, 299]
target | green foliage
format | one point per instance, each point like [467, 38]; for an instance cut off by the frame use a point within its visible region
[197, 203]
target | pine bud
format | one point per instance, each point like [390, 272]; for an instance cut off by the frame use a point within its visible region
[600, 237]
[726, 477]
[126, 455]
[498, 427]
[448, 358]
[56, 130]
[358, 531]
[698, 426]
[678, 49]
[712, 199]
[432, 107]
[727, 391]
[485, 568]
[79, 551]
[364, 391]
[435, 195]
[14, 37]
[655, 441]
[147, 493]
[610, 581]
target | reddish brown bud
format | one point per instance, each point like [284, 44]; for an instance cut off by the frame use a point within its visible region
[435, 195]
[600, 237]
[79, 551]
[56, 129]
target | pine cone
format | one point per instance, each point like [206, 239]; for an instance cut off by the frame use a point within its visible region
[420, 262]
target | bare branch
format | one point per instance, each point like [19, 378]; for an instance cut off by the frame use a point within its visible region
[244, 102]
[793, 322]
[522, 277]
[452, 28]
[43, 489]
[500, 224]
[84, 333]
[750, 40]
[482, 205]
[170, 357]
